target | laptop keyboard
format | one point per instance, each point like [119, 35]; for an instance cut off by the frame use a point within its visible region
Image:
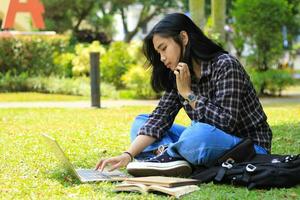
[97, 175]
[92, 174]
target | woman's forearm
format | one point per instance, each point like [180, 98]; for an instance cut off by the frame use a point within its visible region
[139, 144]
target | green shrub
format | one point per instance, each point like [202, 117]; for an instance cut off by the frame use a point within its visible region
[81, 61]
[55, 85]
[63, 61]
[296, 48]
[277, 80]
[11, 82]
[271, 82]
[115, 63]
[31, 54]
[127, 94]
[137, 79]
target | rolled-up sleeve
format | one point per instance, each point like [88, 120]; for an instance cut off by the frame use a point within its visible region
[163, 116]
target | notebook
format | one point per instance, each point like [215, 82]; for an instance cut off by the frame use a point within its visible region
[84, 175]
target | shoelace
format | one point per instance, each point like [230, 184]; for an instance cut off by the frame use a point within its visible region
[160, 150]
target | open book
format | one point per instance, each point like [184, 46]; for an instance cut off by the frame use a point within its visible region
[142, 188]
[163, 181]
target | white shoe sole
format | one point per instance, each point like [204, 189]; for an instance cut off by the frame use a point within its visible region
[175, 168]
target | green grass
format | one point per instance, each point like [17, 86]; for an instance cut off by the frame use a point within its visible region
[34, 96]
[29, 171]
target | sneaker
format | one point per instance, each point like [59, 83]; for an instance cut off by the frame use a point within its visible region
[160, 149]
[145, 156]
[161, 165]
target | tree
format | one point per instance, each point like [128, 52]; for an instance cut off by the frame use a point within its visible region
[238, 41]
[197, 11]
[261, 23]
[218, 12]
[80, 10]
[67, 15]
[99, 14]
[150, 8]
[293, 24]
[57, 15]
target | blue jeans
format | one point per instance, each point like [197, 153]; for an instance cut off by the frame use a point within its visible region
[198, 143]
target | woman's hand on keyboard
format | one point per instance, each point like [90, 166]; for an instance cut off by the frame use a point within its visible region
[115, 162]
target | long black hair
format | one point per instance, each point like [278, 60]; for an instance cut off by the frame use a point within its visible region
[199, 47]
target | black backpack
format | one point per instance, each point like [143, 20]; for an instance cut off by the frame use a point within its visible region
[256, 171]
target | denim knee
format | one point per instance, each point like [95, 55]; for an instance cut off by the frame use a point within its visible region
[202, 130]
[200, 143]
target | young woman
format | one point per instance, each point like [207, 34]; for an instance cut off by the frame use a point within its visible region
[212, 87]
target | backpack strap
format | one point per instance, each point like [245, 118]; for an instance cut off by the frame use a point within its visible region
[222, 171]
[250, 168]
[241, 152]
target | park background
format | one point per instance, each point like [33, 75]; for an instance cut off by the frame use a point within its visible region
[42, 74]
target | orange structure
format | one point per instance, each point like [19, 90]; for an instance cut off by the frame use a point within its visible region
[34, 7]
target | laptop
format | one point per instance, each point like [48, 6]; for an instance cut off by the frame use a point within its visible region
[84, 175]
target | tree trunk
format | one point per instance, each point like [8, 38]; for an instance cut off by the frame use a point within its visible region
[197, 12]
[124, 21]
[82, 16]
[218, 8]
[144, 18]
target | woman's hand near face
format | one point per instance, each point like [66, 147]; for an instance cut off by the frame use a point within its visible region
[183, 79]
[115, 162]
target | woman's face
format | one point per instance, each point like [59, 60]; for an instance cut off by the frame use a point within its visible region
[169, 50]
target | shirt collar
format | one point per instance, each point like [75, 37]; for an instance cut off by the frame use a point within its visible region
[205, 70]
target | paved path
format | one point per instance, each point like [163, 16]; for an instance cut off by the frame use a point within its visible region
[281, 100]
[291, 98]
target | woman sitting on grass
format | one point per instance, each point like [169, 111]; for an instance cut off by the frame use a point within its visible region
[212, 87]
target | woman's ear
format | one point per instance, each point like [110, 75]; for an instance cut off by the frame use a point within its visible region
[184, 37]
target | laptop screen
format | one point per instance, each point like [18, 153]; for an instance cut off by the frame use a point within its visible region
[52, 143]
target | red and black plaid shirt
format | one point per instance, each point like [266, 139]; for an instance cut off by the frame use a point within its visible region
[226, 99]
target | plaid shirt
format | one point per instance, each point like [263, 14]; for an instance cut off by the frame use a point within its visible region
[225, 99]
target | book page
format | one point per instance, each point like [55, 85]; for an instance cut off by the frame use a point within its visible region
[173, 191]
[163, 181]
[128, 187]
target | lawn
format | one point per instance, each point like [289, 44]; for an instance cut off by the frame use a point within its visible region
[34, 97]
[29, 171]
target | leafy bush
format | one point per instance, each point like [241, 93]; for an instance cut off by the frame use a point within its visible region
[296, 48]
[31, 54]
[11, 82]
[272, 81]
[55, 85]
[137, 79]
[64, 62]
[127, 94]
[81, 61]
[116, 62]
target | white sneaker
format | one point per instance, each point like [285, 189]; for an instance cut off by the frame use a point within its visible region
[161, 165]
